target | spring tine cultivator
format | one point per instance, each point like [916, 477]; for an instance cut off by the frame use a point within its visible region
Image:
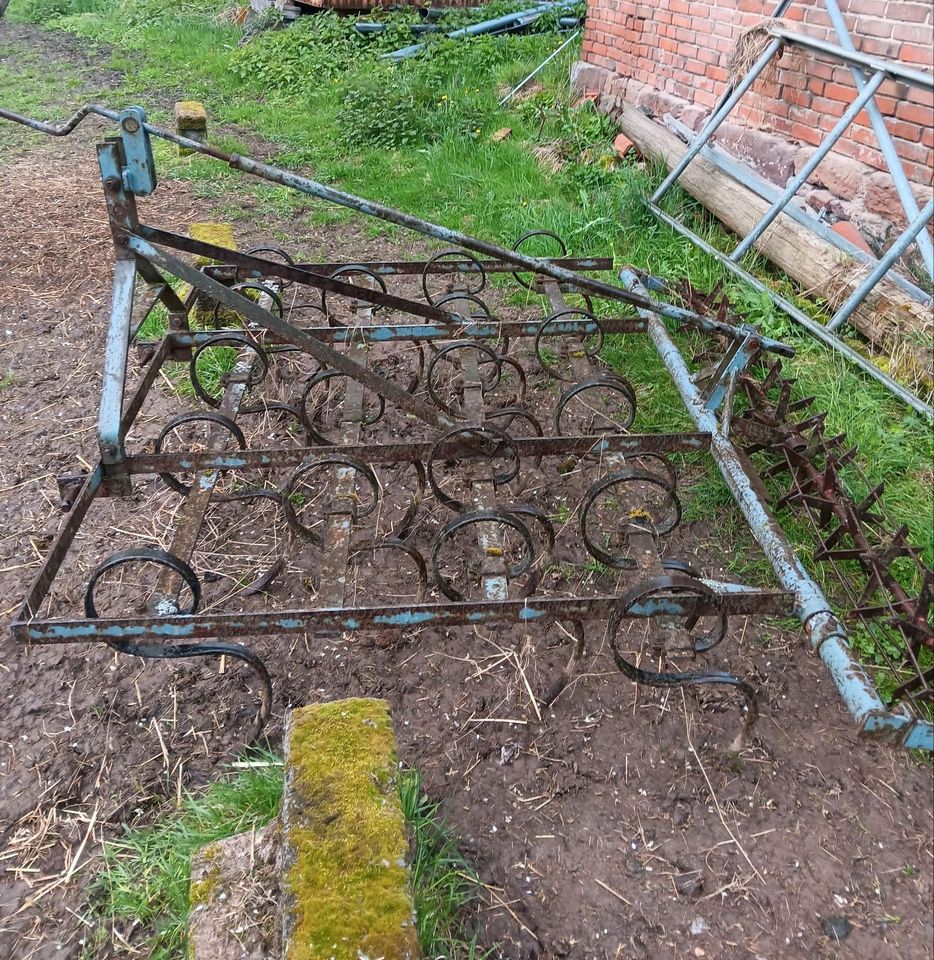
[421, 435]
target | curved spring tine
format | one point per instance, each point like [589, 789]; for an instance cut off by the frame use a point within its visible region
[159, 651]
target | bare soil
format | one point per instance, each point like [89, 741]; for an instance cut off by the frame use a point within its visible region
[616, 824]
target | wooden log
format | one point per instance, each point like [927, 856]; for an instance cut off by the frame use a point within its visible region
[889, 318]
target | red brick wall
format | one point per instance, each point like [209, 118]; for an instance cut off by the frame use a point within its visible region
[680, 48]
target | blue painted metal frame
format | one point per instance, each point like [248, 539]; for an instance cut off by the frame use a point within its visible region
[823, 629]
[865, 99]
[826, 634]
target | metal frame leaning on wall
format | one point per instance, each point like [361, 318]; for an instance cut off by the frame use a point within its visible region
[868, 73]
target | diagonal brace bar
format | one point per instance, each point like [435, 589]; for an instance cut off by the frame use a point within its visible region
[825, 147]
[321, 352]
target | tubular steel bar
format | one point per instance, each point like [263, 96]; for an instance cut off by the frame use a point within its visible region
[817, 329]
[892, 254]
[824, 631]
[631, 445]
[889, 153]
[717, 118]
[812, 163]
[506, 22]
[507, 97]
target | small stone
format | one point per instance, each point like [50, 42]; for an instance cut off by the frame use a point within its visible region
[622, 145]
[698, 927]
[634, 867]
[837, 928]
[689, 884]
[841, 175]
[693, 117]
[848, 230]
[504, 133]
[589, 96]
[820, 199]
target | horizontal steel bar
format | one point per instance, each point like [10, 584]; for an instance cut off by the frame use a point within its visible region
[394, 332]
[892, 68]
[743, 602]
[799, 316]
[408, 268]
[631, 445]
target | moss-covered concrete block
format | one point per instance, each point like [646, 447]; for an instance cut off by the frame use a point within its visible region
[345, 879]
[202, 313]
[191, 121]
[218, 234]
[191, 115]
[232, 894]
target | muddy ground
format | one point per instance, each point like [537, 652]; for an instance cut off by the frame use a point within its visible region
[587, 824]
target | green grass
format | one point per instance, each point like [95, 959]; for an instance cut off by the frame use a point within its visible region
[143, 883]
[417, 136]
[445, 884]
[141, 891]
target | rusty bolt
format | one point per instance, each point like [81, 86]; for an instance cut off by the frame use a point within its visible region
[112, 183]
[131, 125]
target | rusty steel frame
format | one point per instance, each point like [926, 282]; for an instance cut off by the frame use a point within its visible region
[149, 254]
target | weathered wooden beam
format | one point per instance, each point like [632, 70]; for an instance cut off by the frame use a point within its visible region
[889, 318]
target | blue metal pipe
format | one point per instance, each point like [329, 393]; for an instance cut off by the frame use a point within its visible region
[824, 631]
[882, 267]
[520, 18]
[813, 162]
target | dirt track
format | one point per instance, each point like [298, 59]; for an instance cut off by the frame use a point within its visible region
[579, 824]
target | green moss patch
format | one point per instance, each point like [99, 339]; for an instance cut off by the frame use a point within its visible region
[346, 882]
